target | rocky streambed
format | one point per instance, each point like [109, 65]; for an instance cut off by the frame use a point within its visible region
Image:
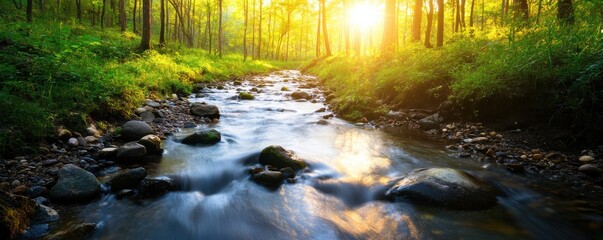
[264, 157]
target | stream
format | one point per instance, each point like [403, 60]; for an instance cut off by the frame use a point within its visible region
[338, 198]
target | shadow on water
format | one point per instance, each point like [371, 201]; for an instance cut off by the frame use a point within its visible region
[340, 197]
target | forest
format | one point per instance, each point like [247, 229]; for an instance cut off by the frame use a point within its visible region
[301, 119]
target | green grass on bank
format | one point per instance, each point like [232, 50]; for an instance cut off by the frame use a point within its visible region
[550, 75]
[53, 74]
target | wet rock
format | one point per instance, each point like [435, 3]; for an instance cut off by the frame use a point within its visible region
[189, 125]
[205, 111]
[44, 214]
[131, 151]
[278, 157]
[147, 116]
[446, 187]
[268, 178]
[155, 187]
[81, 141]
[75, 185]
[76, 232]
[20, 190]
[537, 156]
[91, 139]
[586, 159]
[128, 179]
[73, 142]
[36, 191]
[287, 172]
[301, 95]
[431, 122]
[284, 89]
[109, 152]
[590, 170]
[15, 212]
[92, 131]
[246, 96]
[152, 143]
[134, 130]
[322, 122]
[205, 137]
[152, 103]
[140, 110]
[64, 134]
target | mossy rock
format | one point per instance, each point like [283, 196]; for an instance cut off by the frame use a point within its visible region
[15, 212]
[246, 96]
[278, 157]
[205, 137]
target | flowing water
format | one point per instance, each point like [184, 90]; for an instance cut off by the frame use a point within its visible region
[339, 198]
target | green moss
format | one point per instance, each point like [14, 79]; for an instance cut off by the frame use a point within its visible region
[246, 96]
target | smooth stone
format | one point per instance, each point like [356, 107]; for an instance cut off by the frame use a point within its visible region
[152, 143]
[73, 142]
[45, 214]
[134, 130]
[204, 137]
[76, 232]
[445, 187]
[246, 96]
[140, 110]
[81, 141]
[64, 134]
[278, 157]
[147, 117]
[268, 178]
[301, 95]
[155, 187]
[91, 139]
[131, 151]
[75, 185]
[152, 103]
[109, 152]
[128, 179]
[586, 159]
[590, 170]
[431, 122]
[205, 111]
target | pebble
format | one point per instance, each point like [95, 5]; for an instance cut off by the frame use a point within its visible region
[73, 142]
[15, 183]
[590, 170]
[537, 156]
[91, 139]
[586, 159]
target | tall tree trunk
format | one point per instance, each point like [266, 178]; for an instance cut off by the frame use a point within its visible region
[122, 15]
[259, 48]
[318, 31]
[220, 29]
[78, 5]
[416, 21]
[102, 19]
[521, 9]
[209, 36]
[145, 43]
[346, 32]
[162, 24]
[325, 32]
[457, 25]
[539, 11]
[429, 24]
[440, 34]
[565, 12]
[471, 13]
[134, 17]
[462, 8]
[29, 10]
[389, 27]
[246, 11]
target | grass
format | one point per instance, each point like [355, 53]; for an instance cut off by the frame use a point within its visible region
[53, 74]
[545, 75]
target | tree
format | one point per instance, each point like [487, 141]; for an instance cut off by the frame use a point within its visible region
[162, 24]
[78, 5]
[145, 43]
[565, 12]
[28, 10]
[220, 33]
[389, 27]
[415, 32]
[122, 15]
[246, 12]
[440, 31]
[429, 24]
[521, 9]
[102, 19]
[325, 33]
[134, 17]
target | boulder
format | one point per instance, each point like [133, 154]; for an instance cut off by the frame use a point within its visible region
[278, 157]
[268, 178]
[246, 96]
[64, 134]
[431, 122]
[76, 232]
[147, 116]
[44, 214]
[445, 187]
[203, 110]
[155, 187]
[152, 143]
[203, 137]
[590, 170]
[134, 130]
[15, 212]
[75, 185]
[109, 152]
[131, 151]
[128, 179]
[152, 103]
[301, 95]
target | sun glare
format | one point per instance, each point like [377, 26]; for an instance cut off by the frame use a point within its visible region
[365, 15]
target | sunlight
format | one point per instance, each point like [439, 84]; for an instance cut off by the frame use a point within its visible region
[365, 15]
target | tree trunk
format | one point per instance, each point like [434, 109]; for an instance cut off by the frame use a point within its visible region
[429, 24]
[259, 48]
[325, 32]
[539, 11]
[220, 29]
[162, 24]
[78, 5]
[565, 12]
[318, 31]
[440, 34]
[102, 20]
[521, 9]
[389, 27]
[134, 17]
[29, 10]
[122, 15]
[471, 13]
[462, 8]
[145, 43]
[416, 21]
[457, 25]
[246, 11]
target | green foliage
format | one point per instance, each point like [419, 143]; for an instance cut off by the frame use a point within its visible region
[54, 74]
